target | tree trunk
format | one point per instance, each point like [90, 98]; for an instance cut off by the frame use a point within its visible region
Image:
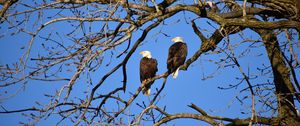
[284, 87]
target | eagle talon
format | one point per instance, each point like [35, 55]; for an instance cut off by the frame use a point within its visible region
[147, 80]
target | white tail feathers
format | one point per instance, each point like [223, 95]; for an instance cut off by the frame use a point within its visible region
[147, 92]
[175, 74]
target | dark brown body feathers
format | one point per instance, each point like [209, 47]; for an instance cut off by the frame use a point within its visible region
[148, 69]
[177, 56]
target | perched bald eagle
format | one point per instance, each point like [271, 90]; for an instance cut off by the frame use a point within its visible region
[177, 55]
[148, 69]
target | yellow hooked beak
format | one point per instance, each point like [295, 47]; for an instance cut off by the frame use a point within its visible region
[141, 52]
[173, 40]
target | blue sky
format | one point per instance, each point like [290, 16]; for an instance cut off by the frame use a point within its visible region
[189, 87]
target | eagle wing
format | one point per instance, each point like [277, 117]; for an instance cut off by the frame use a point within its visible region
[177, 56]
[170, 60]
[148, 69]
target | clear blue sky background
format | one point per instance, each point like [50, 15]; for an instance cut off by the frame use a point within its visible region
[189, 87]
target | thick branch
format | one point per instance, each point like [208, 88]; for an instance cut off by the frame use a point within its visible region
[186, 115]
[237, 121]
[282, 81]
[5, 7]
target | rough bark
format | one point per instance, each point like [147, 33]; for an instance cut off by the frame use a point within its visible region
[6, 5]
[285, 90]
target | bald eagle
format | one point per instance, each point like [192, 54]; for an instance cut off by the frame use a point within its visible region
[177, 55]
[148, 69]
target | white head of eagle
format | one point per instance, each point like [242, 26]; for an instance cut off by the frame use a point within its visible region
[148, 69]
[177, 39]
[146, 54]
